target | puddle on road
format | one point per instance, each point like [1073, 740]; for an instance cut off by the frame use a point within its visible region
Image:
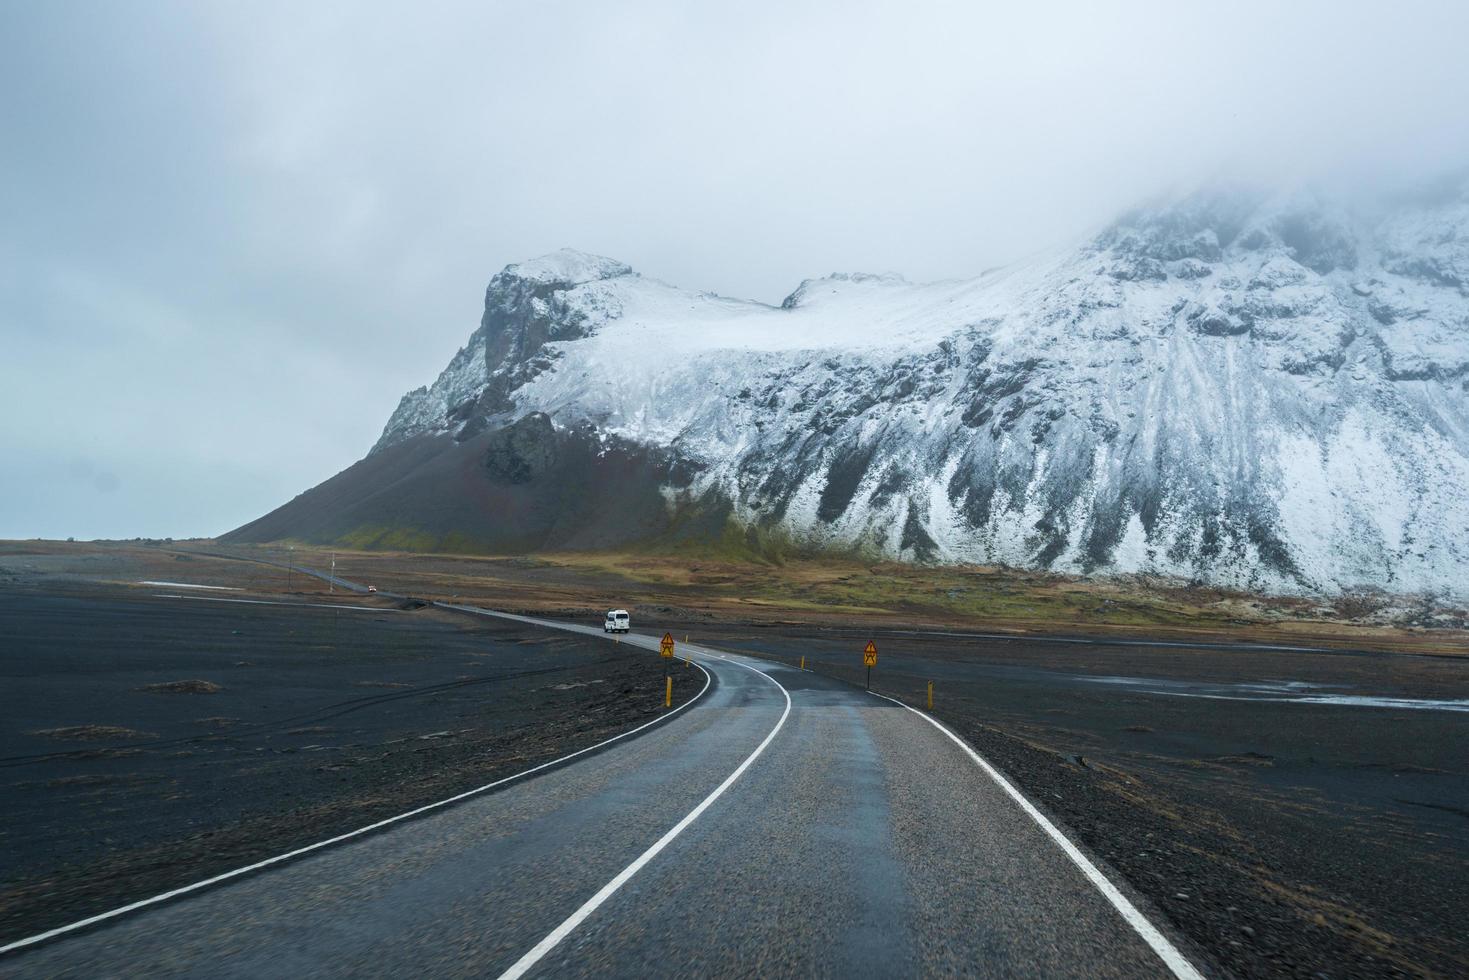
[1283, 692]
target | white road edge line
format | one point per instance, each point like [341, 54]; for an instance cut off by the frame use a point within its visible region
[207, 882]
[1160, 944]
[519, 968]
[1167, 952]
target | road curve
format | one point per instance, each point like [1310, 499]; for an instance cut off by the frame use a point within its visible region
[784, 824]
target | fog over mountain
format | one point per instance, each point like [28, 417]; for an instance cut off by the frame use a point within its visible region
[1252, 390]
[233, 236]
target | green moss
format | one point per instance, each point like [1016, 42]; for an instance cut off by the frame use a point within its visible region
[376, 538]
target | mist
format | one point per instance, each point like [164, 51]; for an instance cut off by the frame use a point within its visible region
[232, 236]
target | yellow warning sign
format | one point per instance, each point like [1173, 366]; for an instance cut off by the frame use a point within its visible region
[666, 647]
[869, 655]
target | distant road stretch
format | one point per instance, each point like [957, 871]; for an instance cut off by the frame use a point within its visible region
[782, 824]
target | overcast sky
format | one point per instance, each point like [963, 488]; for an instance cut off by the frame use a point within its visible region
[231, 236]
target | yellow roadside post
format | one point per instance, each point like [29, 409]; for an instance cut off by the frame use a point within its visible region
[930, 695]
[803, 663]
[665, 650]
[869, 657]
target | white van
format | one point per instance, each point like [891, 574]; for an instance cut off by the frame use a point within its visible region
[617, 621]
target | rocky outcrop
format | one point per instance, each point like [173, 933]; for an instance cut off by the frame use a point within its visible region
[526, 308]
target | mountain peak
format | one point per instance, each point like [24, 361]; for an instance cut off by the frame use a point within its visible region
[836, 281]
[567, 267]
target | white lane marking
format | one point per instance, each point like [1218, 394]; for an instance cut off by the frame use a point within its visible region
[207, 882]
[519, 968]
[1150, 934]
[270, 602]
[187, 585]
[1160, 944]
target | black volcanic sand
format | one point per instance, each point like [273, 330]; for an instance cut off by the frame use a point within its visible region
[1287, 839]
[146, 743]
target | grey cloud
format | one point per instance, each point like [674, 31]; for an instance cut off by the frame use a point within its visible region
[232, 235]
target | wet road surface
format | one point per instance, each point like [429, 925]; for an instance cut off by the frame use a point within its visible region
[784, 824]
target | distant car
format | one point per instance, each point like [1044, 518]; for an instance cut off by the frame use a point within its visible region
[617, 621]
[371, 588]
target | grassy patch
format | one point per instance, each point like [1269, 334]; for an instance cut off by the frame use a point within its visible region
[759, 575]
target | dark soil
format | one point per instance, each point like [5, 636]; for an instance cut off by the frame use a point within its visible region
[315, 722]
[1285, 839]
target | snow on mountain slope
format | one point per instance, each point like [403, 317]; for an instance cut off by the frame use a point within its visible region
[1269, 393]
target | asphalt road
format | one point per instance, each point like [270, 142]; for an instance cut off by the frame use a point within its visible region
[783, 824]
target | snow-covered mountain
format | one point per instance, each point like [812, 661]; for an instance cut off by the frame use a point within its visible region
[1267, 392]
